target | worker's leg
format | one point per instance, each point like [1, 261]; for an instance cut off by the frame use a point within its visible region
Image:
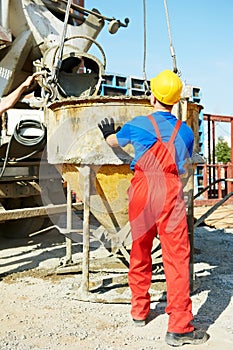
[140, 273]
[147, 196]
[173, 233]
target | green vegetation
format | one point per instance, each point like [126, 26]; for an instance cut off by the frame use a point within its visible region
[222, 151]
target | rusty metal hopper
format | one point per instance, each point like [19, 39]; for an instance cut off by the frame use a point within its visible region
[75, 141]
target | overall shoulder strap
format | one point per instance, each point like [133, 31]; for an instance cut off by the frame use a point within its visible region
[176, 129]
[157, 132]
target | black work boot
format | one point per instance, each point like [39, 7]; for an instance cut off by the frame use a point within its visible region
[195, 337]
[139, 323]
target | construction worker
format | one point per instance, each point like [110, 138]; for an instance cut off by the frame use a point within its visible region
[162, 144]
[9, 101]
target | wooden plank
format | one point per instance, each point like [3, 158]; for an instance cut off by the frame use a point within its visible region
[221, 218]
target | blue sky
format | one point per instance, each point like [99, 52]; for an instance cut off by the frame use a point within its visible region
[202, 34]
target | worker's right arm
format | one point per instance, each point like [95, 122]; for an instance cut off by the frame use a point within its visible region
[9, 100]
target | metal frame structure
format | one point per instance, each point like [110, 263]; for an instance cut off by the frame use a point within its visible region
[211, 173]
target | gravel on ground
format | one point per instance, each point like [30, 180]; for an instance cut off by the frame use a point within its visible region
[39, 310]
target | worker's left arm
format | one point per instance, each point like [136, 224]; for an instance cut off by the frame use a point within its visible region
[109, 131]
[9, 100]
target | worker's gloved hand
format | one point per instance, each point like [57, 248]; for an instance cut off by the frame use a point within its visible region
[107, 127]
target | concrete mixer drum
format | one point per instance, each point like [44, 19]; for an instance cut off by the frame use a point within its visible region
[80, 73]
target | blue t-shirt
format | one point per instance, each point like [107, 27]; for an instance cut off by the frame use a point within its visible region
[141, 134]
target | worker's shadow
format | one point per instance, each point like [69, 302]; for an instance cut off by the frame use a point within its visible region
[213, 261]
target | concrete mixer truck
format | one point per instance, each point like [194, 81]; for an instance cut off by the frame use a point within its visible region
[50, 39]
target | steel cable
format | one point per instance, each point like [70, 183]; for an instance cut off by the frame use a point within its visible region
[145, 48]
[172, 50]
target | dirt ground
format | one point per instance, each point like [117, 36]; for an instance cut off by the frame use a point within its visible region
[40, 310]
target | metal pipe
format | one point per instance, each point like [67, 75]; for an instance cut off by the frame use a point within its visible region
[213, 141]
[232, 140]
[190, 186]
[84, 287]
[213, 160]
[97, 14]
[68, 258]
[219, 187]
[25, 213]
[209, 151]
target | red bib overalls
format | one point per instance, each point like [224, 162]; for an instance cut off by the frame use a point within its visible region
[156, 206]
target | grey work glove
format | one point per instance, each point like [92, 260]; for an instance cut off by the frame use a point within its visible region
[107, 127]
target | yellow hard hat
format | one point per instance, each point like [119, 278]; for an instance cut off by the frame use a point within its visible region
[166, 87]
